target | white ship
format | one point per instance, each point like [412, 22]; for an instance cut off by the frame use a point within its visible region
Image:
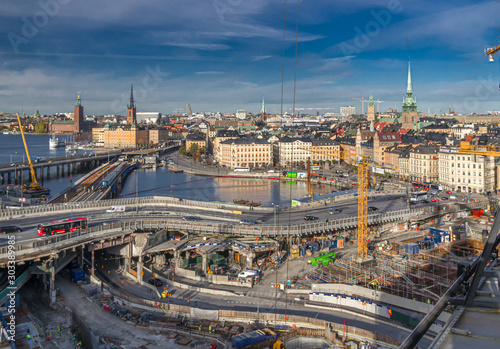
[55, 143]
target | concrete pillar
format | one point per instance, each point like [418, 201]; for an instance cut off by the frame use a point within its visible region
[139, 269]
[48, 172]
[204, 263]
[92, 269]
[53, 284]
[30, 178]
[80, 258]
[129, 257]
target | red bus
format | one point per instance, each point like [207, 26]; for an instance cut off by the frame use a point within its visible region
[62, 227]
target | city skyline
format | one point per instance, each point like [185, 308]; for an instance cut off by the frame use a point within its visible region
[225, 55]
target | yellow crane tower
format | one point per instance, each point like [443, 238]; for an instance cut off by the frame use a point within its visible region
[34, 188]
[363, 181]
[495, 47]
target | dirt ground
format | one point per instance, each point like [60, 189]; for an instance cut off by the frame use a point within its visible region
[37, 310]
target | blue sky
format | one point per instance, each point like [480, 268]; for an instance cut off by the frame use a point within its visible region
[224, 55]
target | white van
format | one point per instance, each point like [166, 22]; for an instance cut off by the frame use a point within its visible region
[118, 208]
[452, 197]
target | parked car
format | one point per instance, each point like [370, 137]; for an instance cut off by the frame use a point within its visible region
[6, 229]
[448, 192]
[435, 200]
[191, 218]
[310, 218]
[412, 203]
[424, 201]
[246, 222]
[155, 282]
[335, 211]
[372, 208]
[444, 198]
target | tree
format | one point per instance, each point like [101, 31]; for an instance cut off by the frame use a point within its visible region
[182, 150]
[194, 149]
[40, 127]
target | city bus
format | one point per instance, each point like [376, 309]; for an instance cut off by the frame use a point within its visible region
[421, 185]
[241, 169]
[61, 227]
[416, 196]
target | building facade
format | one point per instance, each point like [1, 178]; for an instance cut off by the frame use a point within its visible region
[245, 152]
[292, 151]
[467, 173]
[424, 163]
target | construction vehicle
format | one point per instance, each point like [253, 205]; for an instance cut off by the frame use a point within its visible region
[495, 47]
[279, 345]
[323, 259]
[33, 189]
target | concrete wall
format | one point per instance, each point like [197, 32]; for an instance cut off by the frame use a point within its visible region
[382, 297]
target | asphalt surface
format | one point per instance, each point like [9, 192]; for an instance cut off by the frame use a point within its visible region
[99, 216]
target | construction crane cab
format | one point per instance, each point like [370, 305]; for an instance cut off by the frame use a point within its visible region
[495, 47]
[34, 188]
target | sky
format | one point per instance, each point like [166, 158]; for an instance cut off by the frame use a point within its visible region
[225, 55]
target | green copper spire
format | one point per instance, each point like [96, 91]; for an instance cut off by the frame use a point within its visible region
[409, 104]
[371, 103]
[263, 110]
[78, 101]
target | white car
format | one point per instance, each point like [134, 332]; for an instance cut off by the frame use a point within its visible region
[247, 273]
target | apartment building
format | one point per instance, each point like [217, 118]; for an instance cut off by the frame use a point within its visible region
[424, 163]
[324, 149]
[468, 173]
[292, 151]
[381, 141]
[245, 152]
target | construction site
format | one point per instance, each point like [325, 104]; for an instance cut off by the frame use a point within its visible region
[419, 265]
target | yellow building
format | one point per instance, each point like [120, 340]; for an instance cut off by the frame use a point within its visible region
[244, 152]
[324, 149]
[125, 137]
[98, 135]
[381, 141]
[200, 142]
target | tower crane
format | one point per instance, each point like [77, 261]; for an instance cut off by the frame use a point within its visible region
[34, 188]
[378, 101]
[495, 47]
[298, 109]
[362, 104]
[363, 181]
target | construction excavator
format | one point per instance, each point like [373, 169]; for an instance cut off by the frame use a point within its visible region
[33, 189]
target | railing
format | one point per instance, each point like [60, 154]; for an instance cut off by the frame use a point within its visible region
[58, 242]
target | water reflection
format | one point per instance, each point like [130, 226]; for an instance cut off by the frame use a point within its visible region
[201, 188]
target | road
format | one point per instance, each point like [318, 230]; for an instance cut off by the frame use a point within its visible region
[99, 217]
[250, 304]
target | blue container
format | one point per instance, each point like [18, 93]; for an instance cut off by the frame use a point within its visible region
[303, 251]
[334, 243]
[327, 243]
[77, 274]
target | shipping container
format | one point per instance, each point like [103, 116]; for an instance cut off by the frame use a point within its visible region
[236, 257]
[77, 274]
[411, 248]
[303, 251]
[334, 243]
[340, 243]
[294, 250]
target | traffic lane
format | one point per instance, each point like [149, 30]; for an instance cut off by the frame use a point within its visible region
[209, 302]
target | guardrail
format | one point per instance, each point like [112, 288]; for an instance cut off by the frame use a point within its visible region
[59, 242]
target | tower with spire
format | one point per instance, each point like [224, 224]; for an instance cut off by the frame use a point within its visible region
[263, 110]
[371, 109]
[409, 112]
[78, 116]
[131, 108]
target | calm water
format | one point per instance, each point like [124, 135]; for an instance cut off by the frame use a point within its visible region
[151, 182]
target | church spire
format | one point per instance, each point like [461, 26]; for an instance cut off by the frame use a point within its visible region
[263, 110]
[408, 88]
[78, 101]
[131, 105]
[409, 103]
